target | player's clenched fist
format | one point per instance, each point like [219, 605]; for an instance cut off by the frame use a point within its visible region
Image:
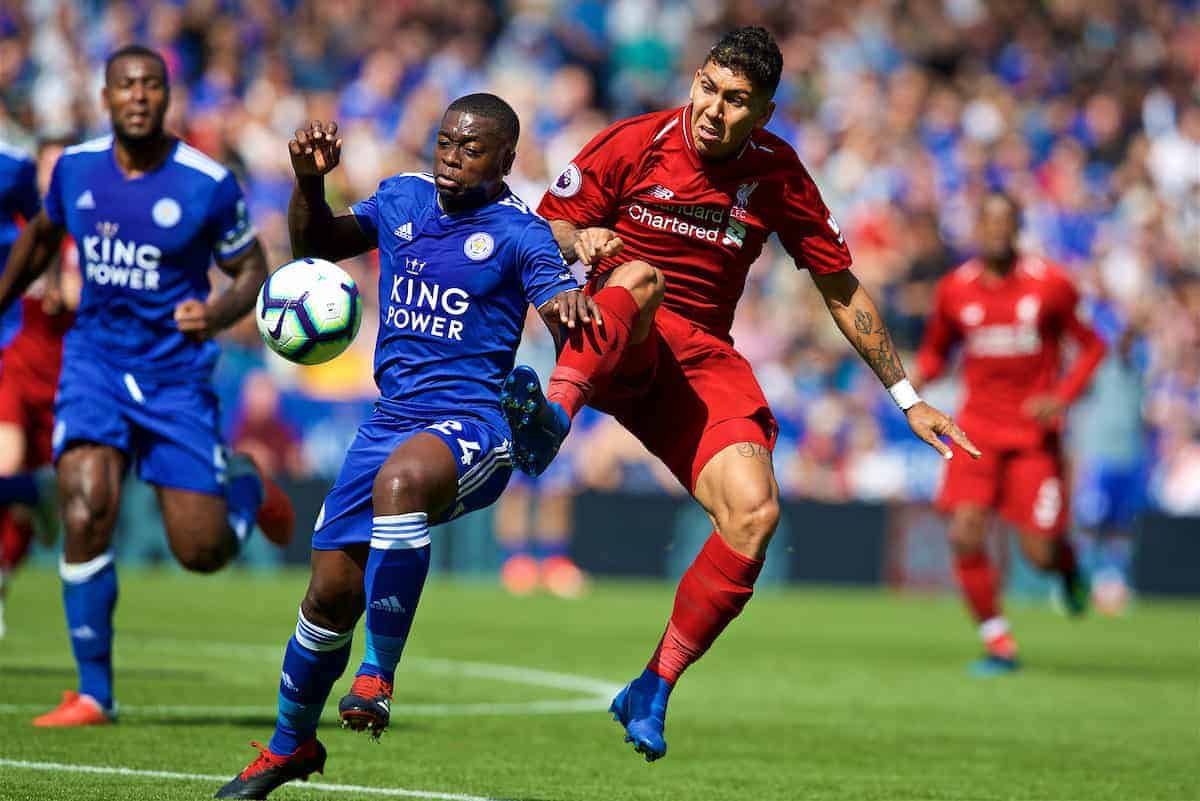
[594, 244]
[192, 318]
[316, 149]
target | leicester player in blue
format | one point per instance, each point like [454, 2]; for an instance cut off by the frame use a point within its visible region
[460, 259]
[148, 214]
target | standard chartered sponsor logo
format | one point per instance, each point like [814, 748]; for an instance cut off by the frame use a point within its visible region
[417, 305]
[1004, 340]
[666, 222]
[109, 261]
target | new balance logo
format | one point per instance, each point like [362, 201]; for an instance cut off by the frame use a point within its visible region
[388, 604]
[86, 201]
[405, 232]
[661, 192]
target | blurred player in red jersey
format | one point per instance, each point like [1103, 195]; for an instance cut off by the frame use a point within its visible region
[1011, 313]
[29, 366]
[668, 211]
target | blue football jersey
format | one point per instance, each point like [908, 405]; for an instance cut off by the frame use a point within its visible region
[18, 198]
[453, 291]
[145, 245]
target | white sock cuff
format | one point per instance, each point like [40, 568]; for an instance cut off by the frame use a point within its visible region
[993, 628]
[317, 638]
[406, 531]
[79, 572]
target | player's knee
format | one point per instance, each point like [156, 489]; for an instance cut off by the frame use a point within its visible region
[751, 522]
[644, 281]
[967, 529]
[1039, 551]
[87, 520]
[201, 557]
[400, 488]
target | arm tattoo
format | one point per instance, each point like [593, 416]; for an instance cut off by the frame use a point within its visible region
[753, 450]
[877, 349]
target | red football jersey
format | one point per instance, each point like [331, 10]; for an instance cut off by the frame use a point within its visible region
[35, 351]
[1012, 330]
[701, 223]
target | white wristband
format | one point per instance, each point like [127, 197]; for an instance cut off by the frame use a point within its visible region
[904, 395]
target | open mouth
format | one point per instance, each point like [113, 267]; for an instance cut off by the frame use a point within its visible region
[446, 182]
[707, 134]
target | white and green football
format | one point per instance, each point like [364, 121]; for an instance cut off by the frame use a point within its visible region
[308, 311]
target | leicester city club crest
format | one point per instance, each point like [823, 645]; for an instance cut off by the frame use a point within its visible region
[479, 246]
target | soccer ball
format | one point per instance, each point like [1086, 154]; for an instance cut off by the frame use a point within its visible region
[308, 311]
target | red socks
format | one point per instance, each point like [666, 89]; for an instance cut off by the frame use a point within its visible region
[592, 352]
[711, 593]
[978, 580]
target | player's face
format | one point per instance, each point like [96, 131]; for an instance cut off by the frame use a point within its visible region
[997, 230]
[135, 94]
[726, 108]
[471, 157]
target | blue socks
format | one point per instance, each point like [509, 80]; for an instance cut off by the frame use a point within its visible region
[395, 575]
[314, 660]
[89, 598]
[244, 494]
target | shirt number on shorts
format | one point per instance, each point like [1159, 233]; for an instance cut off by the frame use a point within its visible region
[1048, 503]
[468, 447]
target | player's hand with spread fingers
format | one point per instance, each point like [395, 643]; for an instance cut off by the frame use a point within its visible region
[316, 149]
[193, 319]
[594, 244]
[931, 424]
[570, 306]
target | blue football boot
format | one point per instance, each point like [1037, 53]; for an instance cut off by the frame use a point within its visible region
[538, 426]
[641, 707]
[993, 665]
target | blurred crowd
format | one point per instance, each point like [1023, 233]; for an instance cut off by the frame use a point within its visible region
[1088, 111]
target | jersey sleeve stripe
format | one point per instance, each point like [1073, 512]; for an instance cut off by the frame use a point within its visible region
[227, 250]
[91, 146]
[189, 156]
[424, 176]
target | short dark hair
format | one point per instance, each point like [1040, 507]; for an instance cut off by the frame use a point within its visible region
[494, 108]
[750, 51]
[133, 50]
[1014, 205]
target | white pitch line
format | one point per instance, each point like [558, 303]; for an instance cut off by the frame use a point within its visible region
[394, 792]
[546, 707]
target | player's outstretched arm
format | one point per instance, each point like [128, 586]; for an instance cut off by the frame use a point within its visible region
[860, 322]
[31, 255]
[312, 226]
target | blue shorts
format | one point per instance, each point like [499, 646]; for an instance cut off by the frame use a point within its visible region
[1110, 496]
[170, 430]
[484, 458]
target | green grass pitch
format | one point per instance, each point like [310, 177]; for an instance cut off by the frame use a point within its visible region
[813, 694]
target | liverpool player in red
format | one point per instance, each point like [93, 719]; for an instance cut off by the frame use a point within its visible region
[668, 211]
[1011, 313]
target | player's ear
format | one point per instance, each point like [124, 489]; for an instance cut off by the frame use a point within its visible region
[766, 115]
[510, 155]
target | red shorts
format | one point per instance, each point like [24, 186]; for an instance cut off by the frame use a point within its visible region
[27, 402]
[1027, 487]
[687, 395]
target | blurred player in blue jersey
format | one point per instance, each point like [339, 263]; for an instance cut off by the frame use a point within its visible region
[460, 259]
[18, 200]
[148, 214]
